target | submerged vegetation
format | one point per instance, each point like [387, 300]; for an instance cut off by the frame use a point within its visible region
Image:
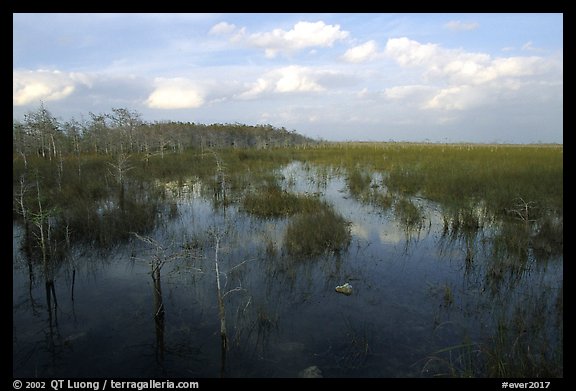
[498, 210]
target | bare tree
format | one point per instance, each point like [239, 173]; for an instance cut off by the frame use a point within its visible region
[119, 171]
[523, 209]
[126, 122]
[43, 127]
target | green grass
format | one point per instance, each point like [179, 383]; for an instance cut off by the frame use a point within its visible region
[524, 346]
[273, 202]
[479, 189]
[361, 187]
[456, 174]
[317, 232]
[409, 214]
[473, 184]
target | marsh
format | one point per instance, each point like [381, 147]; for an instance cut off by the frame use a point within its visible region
[439, 289]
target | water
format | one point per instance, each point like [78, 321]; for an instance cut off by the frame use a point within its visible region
[414, 297]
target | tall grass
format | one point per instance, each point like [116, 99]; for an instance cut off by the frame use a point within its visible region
[526, 342]
[274, 202]
[455, 174]
[317, 232]
[408, 213]
[90, 207]
[360, 185]
[474, 184]
[476, 187]
[449, 174]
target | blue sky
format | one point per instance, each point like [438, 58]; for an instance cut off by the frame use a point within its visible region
[403, 77]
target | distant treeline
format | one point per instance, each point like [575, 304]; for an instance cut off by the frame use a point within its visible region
[124, 131]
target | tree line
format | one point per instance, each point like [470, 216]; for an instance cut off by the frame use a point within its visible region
[124, 131]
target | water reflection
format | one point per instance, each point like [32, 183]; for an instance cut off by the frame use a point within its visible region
[158, 312]
[436, 292]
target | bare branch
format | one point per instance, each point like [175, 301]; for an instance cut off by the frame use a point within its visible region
[237, 289]
[241, 263]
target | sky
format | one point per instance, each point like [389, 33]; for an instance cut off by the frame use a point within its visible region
[431, 77]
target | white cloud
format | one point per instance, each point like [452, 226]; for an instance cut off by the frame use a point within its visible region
[222, 28]
[529, 46]
[412, 92]
[361, 53]
[454, 98]
[457, 25]
[303, 35]
[483, 69]
[260, 86]
[175, 93]
[288, 79]
[32, 86]
[363, 93]
[517, 66]
[407, 52]
[465, 68]
[458, 65]
[295, 78]
[460, 80]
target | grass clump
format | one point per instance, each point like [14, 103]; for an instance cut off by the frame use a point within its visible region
[408, 213]
[317, 232]
[360, 185]
[523, 346]
[273, 202]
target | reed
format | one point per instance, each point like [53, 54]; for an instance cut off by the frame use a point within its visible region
[317, 232]
[273, 202]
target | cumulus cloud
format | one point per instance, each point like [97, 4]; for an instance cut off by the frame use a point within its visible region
[463, 79]
[361, 53]
[457, 25]
[459, 65]
[407, 52]
[288, 79]
[31, 86]
[222, 28]
[295, 78]
[454, 98]
[303, 35]
[175, 93]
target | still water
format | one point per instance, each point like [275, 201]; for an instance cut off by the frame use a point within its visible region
[149, 307]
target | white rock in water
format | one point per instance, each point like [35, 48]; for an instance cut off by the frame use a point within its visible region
[310, 372]
[346, 289]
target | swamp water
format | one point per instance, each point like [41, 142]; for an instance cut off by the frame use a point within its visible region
[424, 302]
